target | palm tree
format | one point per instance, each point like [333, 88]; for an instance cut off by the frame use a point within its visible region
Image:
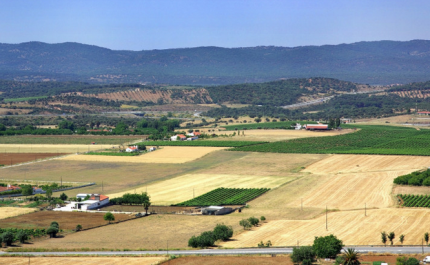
[351, 257]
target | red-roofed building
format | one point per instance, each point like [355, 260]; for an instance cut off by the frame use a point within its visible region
[423, 112]
[133, 148]
[9, 187]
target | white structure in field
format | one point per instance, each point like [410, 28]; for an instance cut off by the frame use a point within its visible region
[132, 149]
[95, 201]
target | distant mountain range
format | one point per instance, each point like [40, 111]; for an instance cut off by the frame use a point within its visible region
[379, 62]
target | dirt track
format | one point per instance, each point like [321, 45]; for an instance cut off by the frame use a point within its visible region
[16, 158]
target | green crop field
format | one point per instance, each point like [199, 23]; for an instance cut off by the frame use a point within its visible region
[203, 143]
[225, 196]
[22, 99]
[265, 125]
[384, 140]
[415, 200]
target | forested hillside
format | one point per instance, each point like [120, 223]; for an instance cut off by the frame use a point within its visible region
[379, 62]
[277, 93]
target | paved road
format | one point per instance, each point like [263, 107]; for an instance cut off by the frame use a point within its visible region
[245, 251]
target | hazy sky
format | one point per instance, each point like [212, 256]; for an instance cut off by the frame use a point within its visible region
[161, 24]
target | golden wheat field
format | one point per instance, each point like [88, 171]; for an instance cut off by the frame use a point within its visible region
[273, 135]
[81, 260]
[52, 148]
[166, 154]
[6, 212]
[367, 163]
[183, 188]
[352, 227]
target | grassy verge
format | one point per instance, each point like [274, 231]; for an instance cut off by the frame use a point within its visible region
[22, 99]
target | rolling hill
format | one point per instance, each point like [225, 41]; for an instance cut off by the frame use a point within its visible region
[379, 62]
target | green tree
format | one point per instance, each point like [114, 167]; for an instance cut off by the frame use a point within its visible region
[257, 120]
[351, 257]
[331, 124]
[245, 223]
[337, 123]
[402, 238]
[303, 253]
[2, 127]
[63, 196]
[412, 261]
[7, 237]
[327, 246]
[109, 217]
[27, 190]
[52, 231]
[78, 228]
[48, 193]
[253, 221]
[222, 232]
[22, 236]
[391, 237]
[401, 260]
[384, 238]
[55, 224]
[262, 218]
[426, 238]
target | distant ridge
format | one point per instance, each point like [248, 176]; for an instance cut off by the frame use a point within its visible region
[377, 62]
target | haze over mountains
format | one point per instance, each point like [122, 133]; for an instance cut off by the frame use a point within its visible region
[380, 62]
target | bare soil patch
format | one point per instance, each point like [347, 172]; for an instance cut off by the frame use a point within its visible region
[16, 158]
[67, 220]
[419, 190]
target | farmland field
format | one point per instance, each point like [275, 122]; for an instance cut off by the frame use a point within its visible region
[203, 143]
[410, 200]
[184, 187]
[69, 139]
[265, 125]
[67, 220]
[6, 212]
[150, 232]
[225, 196]
[83, 260]
[16, 158]
[387, 140]
[167, 154]
[352, 227]
[271, 135]
[51, 148]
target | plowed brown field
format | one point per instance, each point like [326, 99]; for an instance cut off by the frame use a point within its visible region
[16, 158]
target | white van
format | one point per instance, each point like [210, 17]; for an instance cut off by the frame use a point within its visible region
[426, 259]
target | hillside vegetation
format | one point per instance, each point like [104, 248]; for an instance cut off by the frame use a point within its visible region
[377, 62]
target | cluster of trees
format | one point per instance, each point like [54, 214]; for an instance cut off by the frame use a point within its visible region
[417, 178]
[250, 222]
[391, 236]
[208, 238]
[323, 247]
[53, 229]
[133, 199]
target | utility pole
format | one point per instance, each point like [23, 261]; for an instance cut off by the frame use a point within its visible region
[365, 210]
[102, 186]
[193, 193]
[61, 182]
[301, 203]
[422, 245]
[167, 247]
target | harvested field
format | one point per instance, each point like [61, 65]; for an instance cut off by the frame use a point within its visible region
[267, 164]
[352, 227]
[183, 188]
[273, 135]
[138, 174]
[227, 260]
[67, 220]
[166, 154]
[367, 163]
[351, 191]
[81, 260]
[152, 232]
[52, 148]
[6, 212]
[70, 139]
[16, 158]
